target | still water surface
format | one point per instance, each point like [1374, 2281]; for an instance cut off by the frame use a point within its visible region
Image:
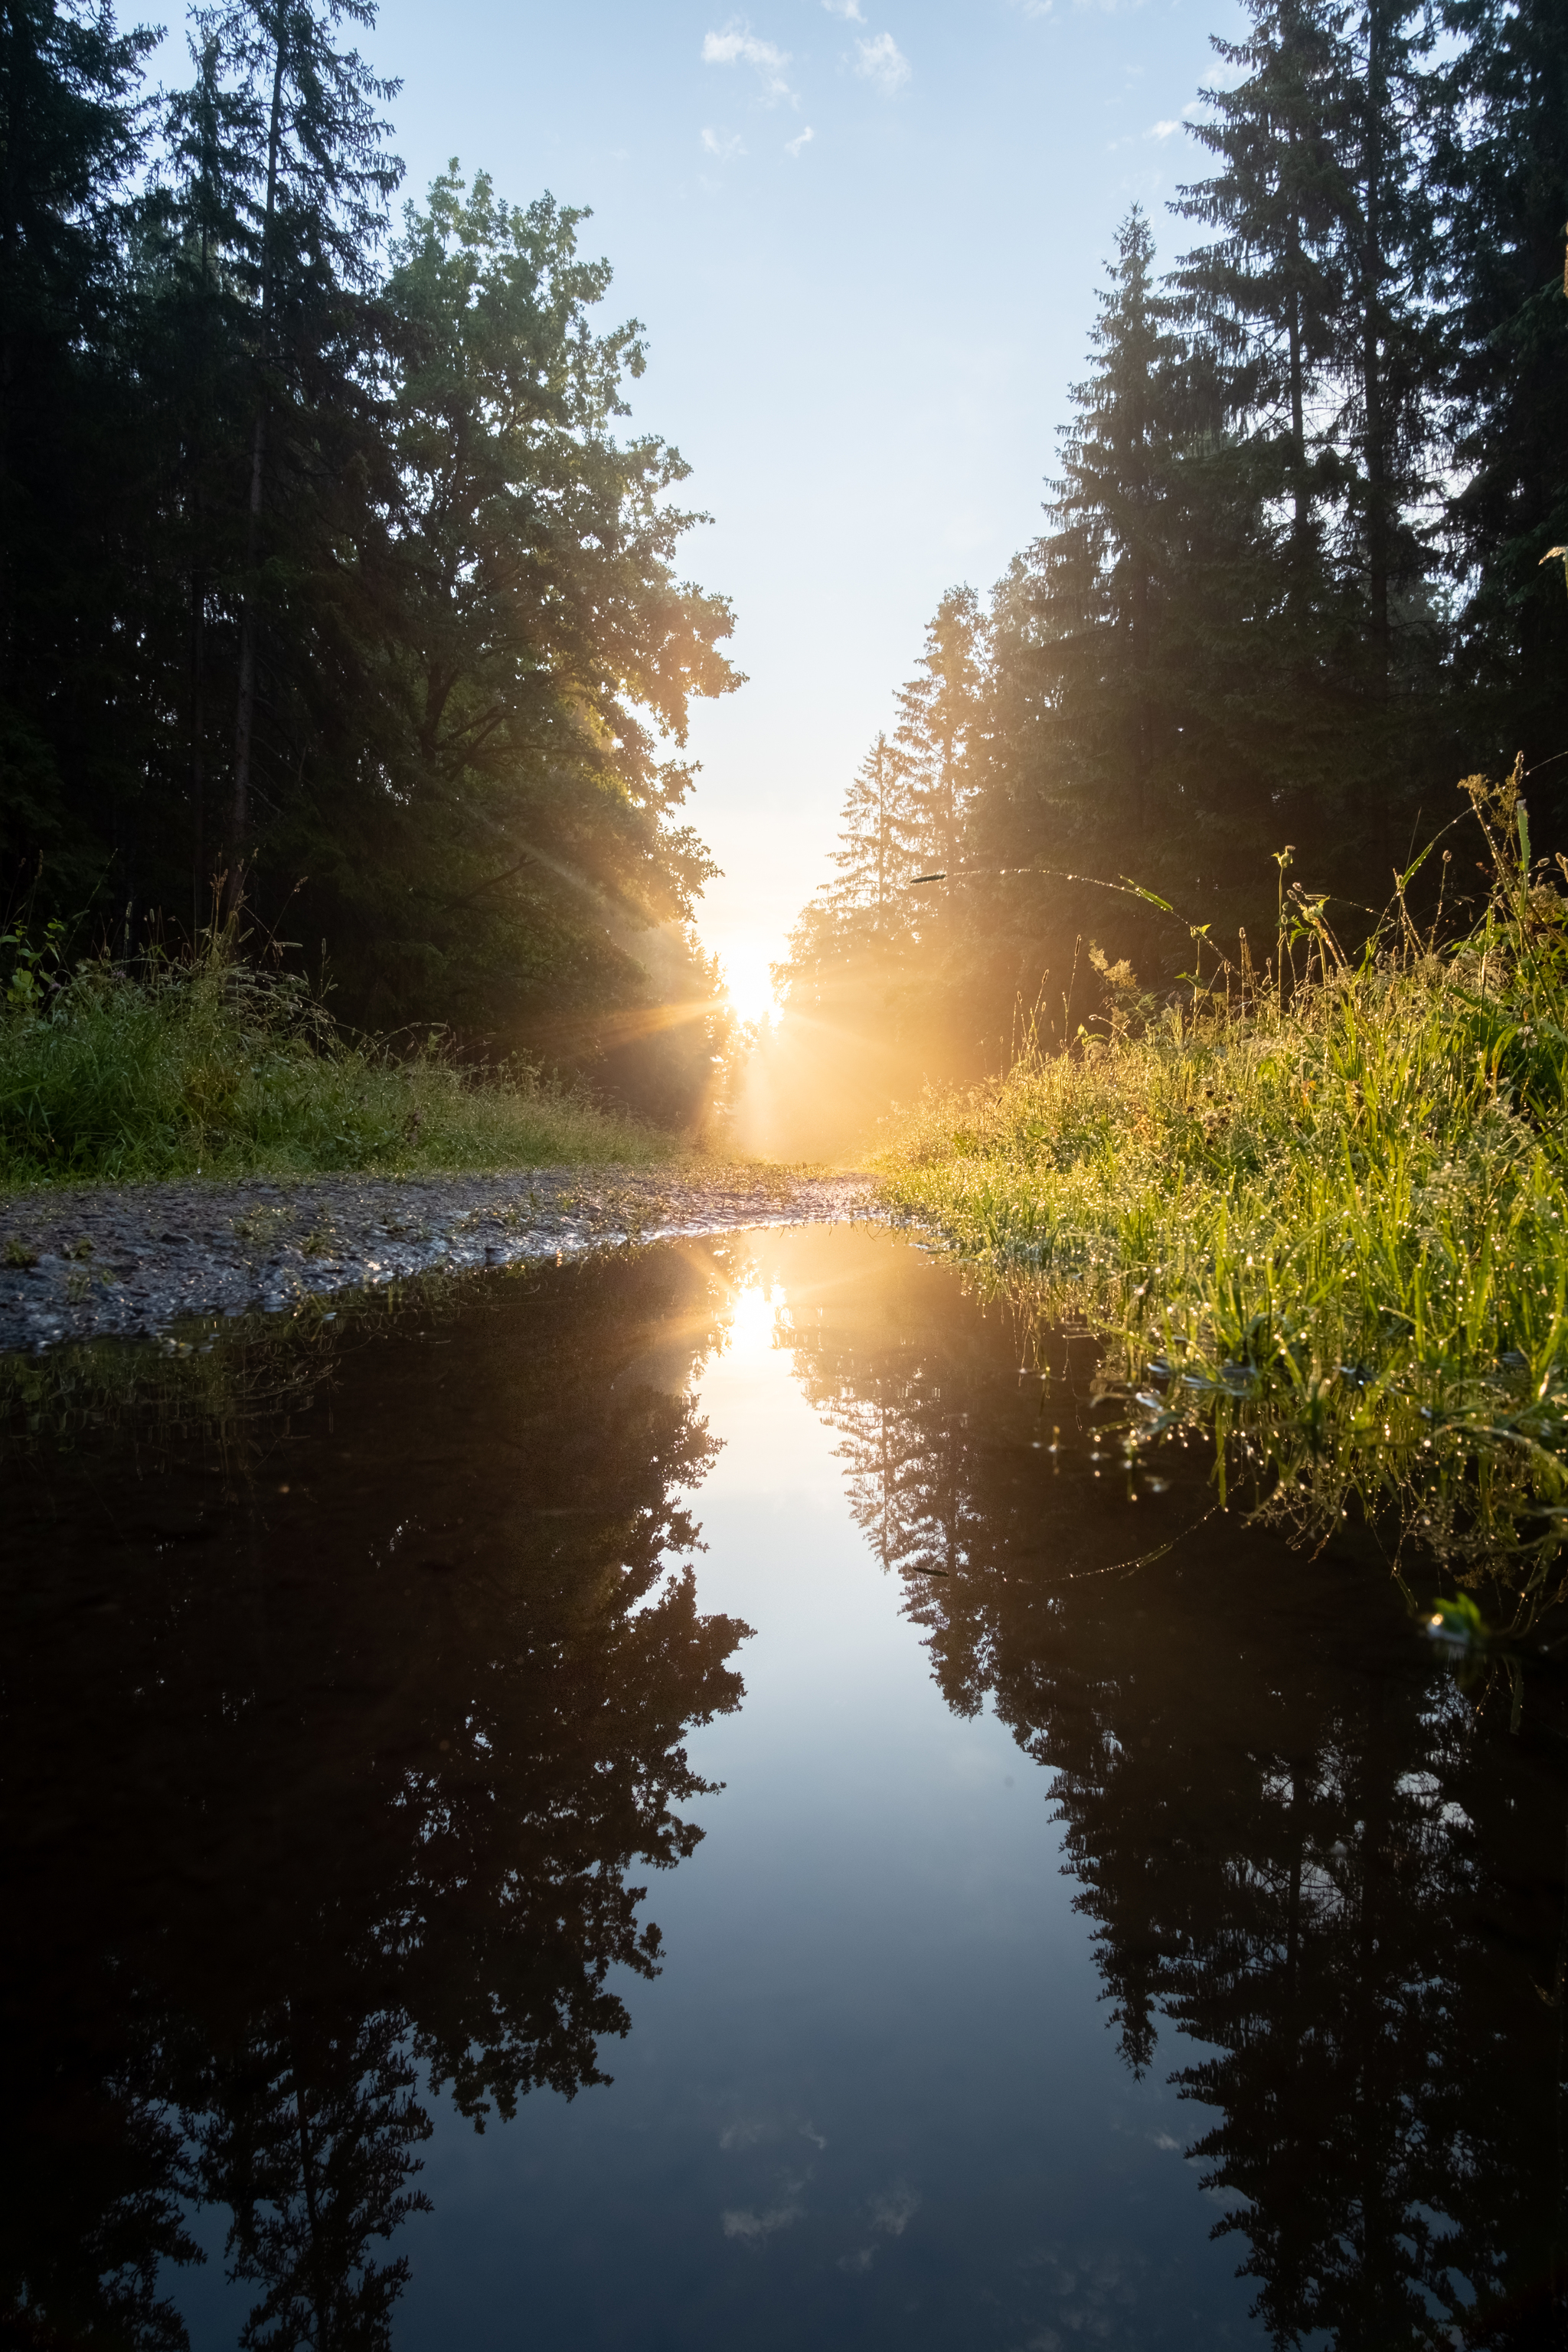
[644, 1805]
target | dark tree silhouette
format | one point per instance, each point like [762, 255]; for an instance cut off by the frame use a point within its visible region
[328, 1778]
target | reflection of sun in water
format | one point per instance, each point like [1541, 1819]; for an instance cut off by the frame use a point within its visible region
[751, 1314]
[748, 983]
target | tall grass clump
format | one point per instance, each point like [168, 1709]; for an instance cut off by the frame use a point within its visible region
[1343, 1186]
[208, 1065]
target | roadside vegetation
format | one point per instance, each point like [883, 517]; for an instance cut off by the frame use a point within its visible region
[208, 1065]
[1324, 1205]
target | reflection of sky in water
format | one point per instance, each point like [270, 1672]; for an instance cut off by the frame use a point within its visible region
[343, 1730]
[872, 2097]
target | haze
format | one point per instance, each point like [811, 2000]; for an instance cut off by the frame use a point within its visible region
[862, 343]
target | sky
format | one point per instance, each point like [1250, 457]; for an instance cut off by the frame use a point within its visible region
[864, 240]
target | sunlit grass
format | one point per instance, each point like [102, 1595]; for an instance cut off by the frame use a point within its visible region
[1348, 1204]
[206, 1066]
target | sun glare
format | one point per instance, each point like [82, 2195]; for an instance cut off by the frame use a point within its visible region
[747, 982]
[751, 1314]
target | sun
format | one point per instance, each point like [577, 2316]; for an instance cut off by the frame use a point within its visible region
[748, 984]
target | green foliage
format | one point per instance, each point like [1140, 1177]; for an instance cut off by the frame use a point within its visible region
[1502, 162]
[324, 573]
[1350, 1198]
[511, 830]
[208, 1067]
[1290, 579]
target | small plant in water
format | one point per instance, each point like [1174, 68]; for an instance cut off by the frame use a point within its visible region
[1458, 1623]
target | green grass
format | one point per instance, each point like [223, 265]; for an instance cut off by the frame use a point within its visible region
[208, 1067]
[1338, 1213]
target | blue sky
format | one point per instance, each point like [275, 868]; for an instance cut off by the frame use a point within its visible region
[864, 238]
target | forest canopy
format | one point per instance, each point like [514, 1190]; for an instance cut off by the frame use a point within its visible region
[326, 561]
[1299, 570]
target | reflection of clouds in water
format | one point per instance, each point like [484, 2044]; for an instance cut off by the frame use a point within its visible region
[892, 2211]
[746, 2131]
[741, 2135]
[754, 2229]
[1094, 2295]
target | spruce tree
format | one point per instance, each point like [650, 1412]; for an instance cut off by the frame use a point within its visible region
[313, 178]
[1269, 285]
[1263, 297]
[1503, 170]
[72, 135]
[1387, 346]
[197, 339]
[1313, 299]
[878, 846]
[1101, 558]
[938, 713]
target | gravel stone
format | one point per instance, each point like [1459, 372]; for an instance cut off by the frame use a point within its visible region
[137, 1259]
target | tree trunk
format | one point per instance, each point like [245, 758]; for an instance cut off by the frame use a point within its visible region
[1302, 502]
[198, 744]
[245, 716]
[1372, 391]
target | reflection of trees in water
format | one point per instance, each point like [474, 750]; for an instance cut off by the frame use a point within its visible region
[1293, 1833]
[329, 1772]
[307, 2137]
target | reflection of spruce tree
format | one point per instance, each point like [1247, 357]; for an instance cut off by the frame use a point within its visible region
[1318, 1975]
[1294, 1839]
[1264, 1860]
[354, 1791]
[91, 2181]
[900, 1414]
[308, 2145]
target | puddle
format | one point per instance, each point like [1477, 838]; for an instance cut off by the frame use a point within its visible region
[683, 1801]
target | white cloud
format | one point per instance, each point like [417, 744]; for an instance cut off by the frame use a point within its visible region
[1163, 129]
[725, 145]
[792, 147]
[883, 62]
[738, 45]
[849, 8]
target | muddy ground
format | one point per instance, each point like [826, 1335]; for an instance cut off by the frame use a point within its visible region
[136, 1259]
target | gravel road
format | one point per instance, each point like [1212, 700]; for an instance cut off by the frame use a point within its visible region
[137, 1259]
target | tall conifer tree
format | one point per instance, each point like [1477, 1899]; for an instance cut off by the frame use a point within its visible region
[1503, 166]
[72, 135]
[314, 182]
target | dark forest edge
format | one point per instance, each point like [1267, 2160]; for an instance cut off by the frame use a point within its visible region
[1300, 567]
[1327, 1219]
[326, 565]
